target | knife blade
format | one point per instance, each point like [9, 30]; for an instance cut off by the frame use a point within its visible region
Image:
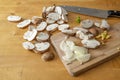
[92, 12]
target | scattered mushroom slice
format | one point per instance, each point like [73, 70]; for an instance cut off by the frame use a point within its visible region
[24, 23]
[105, 25]
[42, 47]
[63, 27]
[54, 16]
[36, 19]
[50, 21]
[58, 10]
[80, 29]
[52, 27]
[64, 18]
[91, 43]
[60, 22]
[14, 18]
[97, 24]
[42, 36]
[30, 35]
[69, 32]
[41, 26]
[87, 23]
[28, 45]
[47, 56]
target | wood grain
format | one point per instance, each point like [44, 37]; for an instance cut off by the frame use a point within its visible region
[19, 64]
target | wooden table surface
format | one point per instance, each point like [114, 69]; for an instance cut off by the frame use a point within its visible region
[17, 63]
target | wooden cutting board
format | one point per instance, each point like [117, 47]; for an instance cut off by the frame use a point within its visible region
[99, 55]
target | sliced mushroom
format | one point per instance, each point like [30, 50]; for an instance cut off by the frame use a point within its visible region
[42, 47]
[50, 21]
[60, 21]
[30, 35]
[50, 9]
[105, 25]
[14, 18]
[24, 23]
[54, 16]
[63, 27]
[58, 10]
[36, 19]
[44, 14]
[28, 45]
[41, 26]
[31, 27]
[42, 36]
[94, 31]
[52, 27]
[47, 56]
[91, 43]
[64, 18]
[83, 35]
[69, 32]
[87, 23]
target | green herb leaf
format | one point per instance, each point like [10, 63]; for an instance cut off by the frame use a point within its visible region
[78, 20]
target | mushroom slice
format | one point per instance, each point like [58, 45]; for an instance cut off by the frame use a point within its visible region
[41, 26]
[50, 21]
[60, 22]
[83, 35]
[44, 12]
[87, 23]
[28, 45]
[54, 16]
[64, 18]
[58, 10]
[68, 31]
[42, 47]
[80, 29]
[105, 25]
[31, 27]
[97, 24]
[92, 43]
[63, 27]
[13, 18]
[30, 35]
[24, 23]
[52, 27]
[36, 19]
[49, 9]
[42, 36]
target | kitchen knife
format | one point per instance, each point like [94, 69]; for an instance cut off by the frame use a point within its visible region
[92, 12]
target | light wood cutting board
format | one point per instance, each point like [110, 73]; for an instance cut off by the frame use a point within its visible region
[99, 55]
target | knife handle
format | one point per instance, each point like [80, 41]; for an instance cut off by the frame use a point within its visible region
[114, 13]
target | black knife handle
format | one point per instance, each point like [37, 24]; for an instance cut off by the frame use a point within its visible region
[114, 13]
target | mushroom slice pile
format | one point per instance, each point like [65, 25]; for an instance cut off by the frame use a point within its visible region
[87, 23]
[42, 36]
[14, 18]
[41, 26]
[92, 43]
[28, 45]
[30, 35]
[52, 27]
[24, 23]
[63, 27]
[42, 47]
